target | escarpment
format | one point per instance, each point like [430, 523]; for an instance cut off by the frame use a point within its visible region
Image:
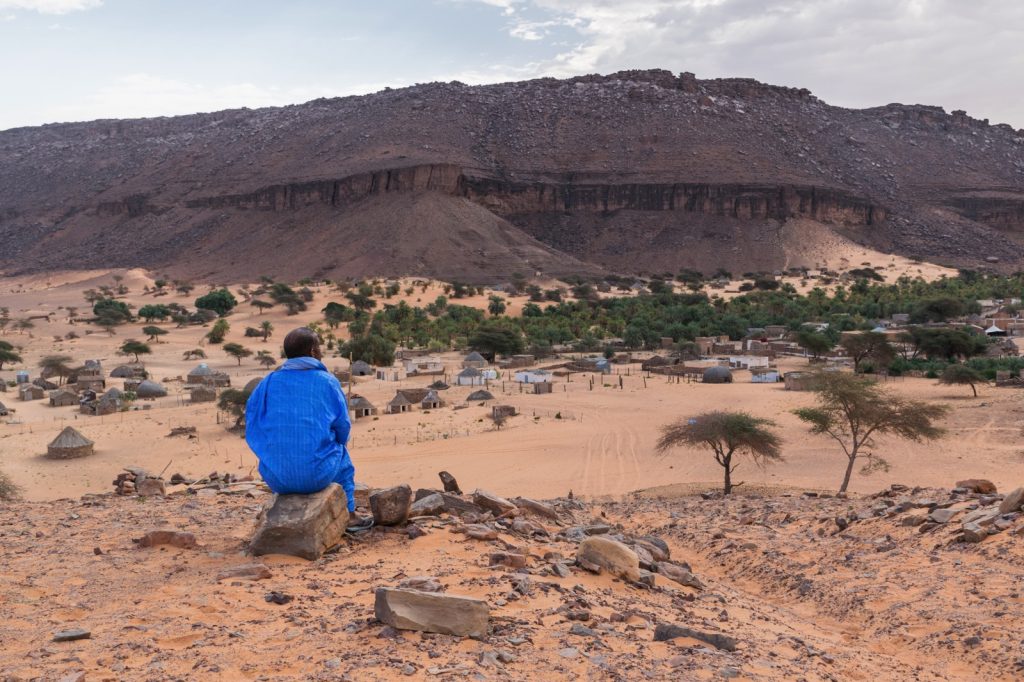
[598, 172]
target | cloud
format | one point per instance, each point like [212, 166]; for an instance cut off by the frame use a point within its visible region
[863, 53]
[49, 6]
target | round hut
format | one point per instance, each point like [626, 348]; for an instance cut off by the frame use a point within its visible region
[481, 395]
[150, 389]
[253, 383]
[717, 375]
[69, 445]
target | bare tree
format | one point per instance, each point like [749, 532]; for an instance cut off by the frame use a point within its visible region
[727, 434]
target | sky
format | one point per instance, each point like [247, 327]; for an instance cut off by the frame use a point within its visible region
[75, 60]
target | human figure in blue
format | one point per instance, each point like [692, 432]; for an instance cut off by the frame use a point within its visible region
[297, 423]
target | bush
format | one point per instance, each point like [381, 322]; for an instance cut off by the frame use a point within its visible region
[8, 491]
[219, 300]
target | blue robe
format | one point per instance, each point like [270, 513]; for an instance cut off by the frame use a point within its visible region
[297, 423]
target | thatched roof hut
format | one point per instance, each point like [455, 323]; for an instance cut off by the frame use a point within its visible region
[202, 394]
[206, 376]
[69, 445]
[477, 396]
[474, 359]
[717, 375]
[431, 401]
[30, 392]
[361, 369]
[150, 389]
[133, 370]
[63, 398]
[399, 404]
[3, 410]
[360, 406]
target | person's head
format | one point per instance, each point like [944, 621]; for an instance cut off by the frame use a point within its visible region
[302, 343]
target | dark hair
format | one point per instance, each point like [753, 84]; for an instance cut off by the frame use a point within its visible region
[300, 343]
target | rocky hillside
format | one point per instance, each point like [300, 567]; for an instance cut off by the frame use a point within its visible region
[907, 584]
[635, 170]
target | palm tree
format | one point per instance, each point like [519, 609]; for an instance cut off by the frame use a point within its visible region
[726, 434]
[267, 328]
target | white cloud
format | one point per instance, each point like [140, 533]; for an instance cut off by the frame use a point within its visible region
[864, 53]
[49, 6]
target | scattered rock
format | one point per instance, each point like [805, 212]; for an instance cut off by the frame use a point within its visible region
[973, 532]
[977, 485]
[431, 505]
[245, 572]
[942, 515]
[666, 631]
[429, 612]
[680, 575]
[150, 487]
[72, 635]
[305, 526]
[77, 676]
[173, 538]
[362, 495]
[608, 554]
[492, 503]
[390, 507]
[508, 559]
[422, 583]
[538, 508]
[1013, 501]
[478, 531]
[278, 598]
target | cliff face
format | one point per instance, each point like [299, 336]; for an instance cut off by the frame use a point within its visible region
[572, 163]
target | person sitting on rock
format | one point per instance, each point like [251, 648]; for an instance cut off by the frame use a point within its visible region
[297, 423]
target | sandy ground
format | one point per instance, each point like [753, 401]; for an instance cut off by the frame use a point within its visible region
[602, 444]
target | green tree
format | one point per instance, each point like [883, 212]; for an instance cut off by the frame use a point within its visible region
[195, 353]
[153, 332]
[219, 301]
[872, 346]
[136, 348]
[237, 351]
[336, 313]
[852, 409]
[153, 311]
[814, 343]
[233, 402]
[373, 348]
[361, 301]
[56, 365]
[110, 312]
[267, 328]
[265, 358]
[961, 375]
[8, 354]
[491, 339]
[727, 434]
[261, 305]
[218, 331]
[495, 305]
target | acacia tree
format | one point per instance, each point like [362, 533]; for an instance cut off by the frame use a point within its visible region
[727, 434]
[237, 351]
[56, 365]
[961, 374]
[261, 305]
[136, 348]
[852, 409]
[8, 354]
[872, 346]
[152, 332]
[265, 358]
[198, 353]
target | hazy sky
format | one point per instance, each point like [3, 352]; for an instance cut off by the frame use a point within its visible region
[70, 60]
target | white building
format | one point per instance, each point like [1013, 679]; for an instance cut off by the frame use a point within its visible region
[533, 376]
[470, 377]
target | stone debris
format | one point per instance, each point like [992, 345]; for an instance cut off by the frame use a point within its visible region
[431, 505]
[246, 572]
[72, 635]
[390, 507]
[977, 485]
[491, 502]
[174, 538]
[305, 526]
[432, 612]
[667, 631]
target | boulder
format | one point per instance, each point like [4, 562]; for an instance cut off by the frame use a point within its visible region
[977, 485]
[362, 495]
[983, 517]
[431, 505]
[610, 555]
[150, 487]
[492, 503]
[390, 507]
[538, 508]
[449, 483]
[453, 504]
[508, 559]
[1012, 502]
[302, 525]
[431, 612]
[656, 546]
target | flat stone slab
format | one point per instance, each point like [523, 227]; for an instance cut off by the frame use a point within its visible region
[445, 614]
[302, 525]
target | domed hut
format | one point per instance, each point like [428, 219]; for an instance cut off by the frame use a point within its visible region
[150, 389]
[253, 383]
[69, 445]
[481, 395]
[717, 375]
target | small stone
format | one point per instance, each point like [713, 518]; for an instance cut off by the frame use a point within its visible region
[422, 583]
[150, 487]
[508, 559]
[729, 672]
[664, 632]
[478, 531]
[942, 515]
[569, 652]
[390, 507]
[245, 572]
[538, 508]
[78, 676]
[680, 575]
[72, 635]
[449, 483]
[277, 598]
[332, 663]
[972, 532]
[561, 570]
[583, 631]
[413, 531]
[173, 538]
[431, 505]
